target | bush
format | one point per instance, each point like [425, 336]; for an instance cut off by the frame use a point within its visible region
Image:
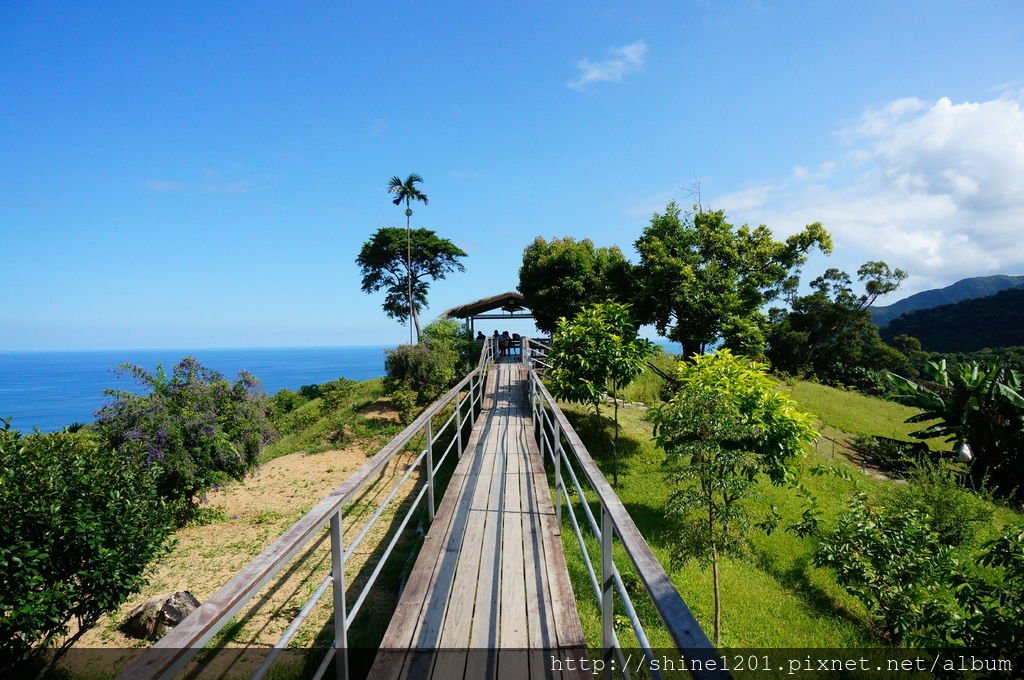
[455, 336]
[428, 369]
[284, 402]
[405, 402]
[895, 456]
[77, 528]
[954, 512]
[896, 564]
[334, 394]
[194, 427]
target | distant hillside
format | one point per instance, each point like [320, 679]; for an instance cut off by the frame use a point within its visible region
[965, 289]
[993, 321]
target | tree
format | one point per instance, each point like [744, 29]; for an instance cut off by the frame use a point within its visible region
[702, 279]
[980, 409]
[597, 352]
[560, 277]
[193, 427]
[726, 424]
[78, 526]
[391, 259]
[829, 334]
[408, 192]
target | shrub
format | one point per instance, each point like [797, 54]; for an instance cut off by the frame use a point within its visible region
[893, 561]
[895, 456]
[334, 394]
[78, 525]
[428, 369]
[193, 426]
[954, 512]
[455, 336]
[284, 402]
[405, 401]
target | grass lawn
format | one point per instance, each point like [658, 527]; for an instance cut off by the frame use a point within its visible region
[773, 596]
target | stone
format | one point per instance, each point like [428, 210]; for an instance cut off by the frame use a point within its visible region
[153, 618]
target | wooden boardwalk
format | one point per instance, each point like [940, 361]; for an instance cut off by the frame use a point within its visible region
[491, 574]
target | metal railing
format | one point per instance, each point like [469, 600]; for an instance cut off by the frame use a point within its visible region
[170, 655]
[562, 449]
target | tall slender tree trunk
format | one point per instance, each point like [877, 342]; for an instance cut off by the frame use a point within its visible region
[615, 441]
[715, 579]
[408, 269]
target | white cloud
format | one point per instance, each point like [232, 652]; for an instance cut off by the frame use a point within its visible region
[934, 187]
[620, 62]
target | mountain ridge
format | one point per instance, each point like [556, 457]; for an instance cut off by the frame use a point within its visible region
[964, 289]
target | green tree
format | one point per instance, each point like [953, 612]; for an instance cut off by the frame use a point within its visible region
[408, 192]
[78, 526]
[597, 352]
[560, 277]
[829, 334]
[979, 409]
[726, 423]
[702, 279]
[391, 258]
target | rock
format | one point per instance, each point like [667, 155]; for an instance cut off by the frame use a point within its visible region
[157, 615]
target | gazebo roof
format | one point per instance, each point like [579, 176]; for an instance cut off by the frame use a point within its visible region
[507, 302]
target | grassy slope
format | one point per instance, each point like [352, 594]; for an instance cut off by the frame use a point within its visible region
[774, 597]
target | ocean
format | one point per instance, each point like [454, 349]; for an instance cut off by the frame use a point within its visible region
[49, 390]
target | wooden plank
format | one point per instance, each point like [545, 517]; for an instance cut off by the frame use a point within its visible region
[513, 587]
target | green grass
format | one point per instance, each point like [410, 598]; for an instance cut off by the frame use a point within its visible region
[773, 596]
[856, 413]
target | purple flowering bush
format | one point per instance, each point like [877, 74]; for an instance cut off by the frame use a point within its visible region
[194, 426]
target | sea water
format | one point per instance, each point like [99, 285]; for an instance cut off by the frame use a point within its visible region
[49, 390]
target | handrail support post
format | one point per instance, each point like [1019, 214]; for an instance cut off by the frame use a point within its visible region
[458, 423]
[607, 592]
[557, 454]
[340, 613]
[430, 469]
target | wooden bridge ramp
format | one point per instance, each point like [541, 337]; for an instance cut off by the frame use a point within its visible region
[491, 574]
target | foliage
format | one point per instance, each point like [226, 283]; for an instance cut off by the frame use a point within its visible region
[406, 191]
[284, 402]
[982, 407]
[598, 351]
[392, 255]
[701, 279]
[334, 394]
[894, 562]
[968, 326]
[78, 525]
[428, 369]
[828, 333]
[726, 423]
[993, 617]
[405, 401]
[193, 426]
[455, 336]
[558, 278]
[954, 512]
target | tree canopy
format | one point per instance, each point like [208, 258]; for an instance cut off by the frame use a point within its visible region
[828, 333]
[702, 280]
[560, 277]
[392, 257]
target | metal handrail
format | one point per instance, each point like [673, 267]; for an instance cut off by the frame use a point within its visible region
[615, 522]
[172, 652]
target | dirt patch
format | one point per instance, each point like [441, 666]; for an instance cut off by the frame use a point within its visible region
[382, 409]
[257, 510]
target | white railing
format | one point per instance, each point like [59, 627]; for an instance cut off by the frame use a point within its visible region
[170, 655]
[562, 450]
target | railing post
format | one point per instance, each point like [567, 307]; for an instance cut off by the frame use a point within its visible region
[340, 614]
[430, 470]
[557, 453]
[458, 423]
[607, 592]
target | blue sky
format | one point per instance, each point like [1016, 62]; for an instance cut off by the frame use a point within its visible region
[203, 174]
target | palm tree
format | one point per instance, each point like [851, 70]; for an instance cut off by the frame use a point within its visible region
[407, 191]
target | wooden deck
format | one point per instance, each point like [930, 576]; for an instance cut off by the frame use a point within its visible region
[491, 574]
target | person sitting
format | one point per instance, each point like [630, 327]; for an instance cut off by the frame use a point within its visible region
[517, 343]
[506, 342]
